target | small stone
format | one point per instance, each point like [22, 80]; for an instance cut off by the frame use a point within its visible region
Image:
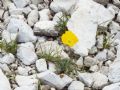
[57, 16]
[110, 55]
[4, 84]
[44, 15]
[46, 28]
[66, 79]
[100, 80]
[41, 65]
[8, 59]
[115, 86]
[94, 68]
[26, 53]
[61, 5]
[86, 78]
[23, 71]
[114, 72]
[1, 13]
[118, 17]
[32, 17]
[33, 7]
[100, 40]
[26, 88]
[89, 61]
[93, 50]
[76, 85]
[25, 33]
[52, 67]
[104, 70]
[26, 80]
[102, 56]
[51, 79]
[79, 62]
[5, 67]
[21, 3]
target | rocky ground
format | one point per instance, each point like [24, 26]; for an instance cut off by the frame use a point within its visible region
[33, 56]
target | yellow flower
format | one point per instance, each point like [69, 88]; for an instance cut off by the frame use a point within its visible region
[69, 38]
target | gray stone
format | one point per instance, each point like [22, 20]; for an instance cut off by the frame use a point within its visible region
[89, 61]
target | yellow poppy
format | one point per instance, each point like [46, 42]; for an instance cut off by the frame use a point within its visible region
[69, 38]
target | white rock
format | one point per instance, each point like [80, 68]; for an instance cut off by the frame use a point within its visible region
[66, 79]
[86, 78]
[1, 13]
[36, 1]
[114, 27]
[51, 46]
[61, 5]
[15, 11]
[108, 63]
[104, 70]
[8, 59]
[94, 68]
[100, 80]
[5, 67]
[76, 85]
[6, 3]
[118, 17]
[26, 88]
[26, 80]
[113, 9]
[33, 7]
[26, 53]
[33, 17]
[114, 72]
[27, 10]
[21, 3]
[93, 50]
[88, 14]
[25, 33]
[8, 37]
[89, 61]
[57, 16]
[51, 79]
[116, 2]
[102, 56]
[118, 53]
[4, 83]
[79, 62]
[44, 15]
[23, 71]
[110, 55]
[115, 86]
[100, 40]
[46, 28]
[52, 67]
[41, 65]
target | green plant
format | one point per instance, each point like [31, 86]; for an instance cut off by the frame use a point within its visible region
[10, 47]
[49, 54]
[66, 66]
[62, 23]
[107, 41]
